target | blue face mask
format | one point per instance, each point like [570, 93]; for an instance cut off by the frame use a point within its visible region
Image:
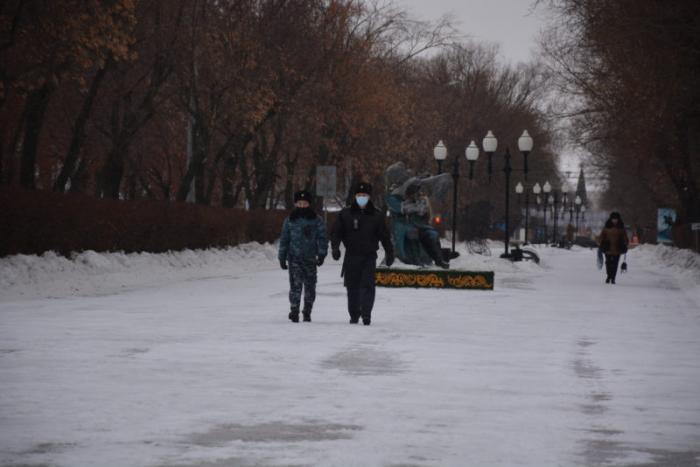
[362, 200]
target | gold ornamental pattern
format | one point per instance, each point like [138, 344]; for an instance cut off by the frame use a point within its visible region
[435, 279]
[469, 282]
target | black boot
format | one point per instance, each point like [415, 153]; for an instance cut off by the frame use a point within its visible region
[435, 253]
[307, 314]
[441, 263]
[294, 314]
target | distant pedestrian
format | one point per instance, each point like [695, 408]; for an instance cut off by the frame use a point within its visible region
[570, 233]
[613, 242]
[303, 247]
[360, 228]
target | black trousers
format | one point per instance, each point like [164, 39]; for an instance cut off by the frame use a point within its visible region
[611, 262]
[358, 273]
[360, 302]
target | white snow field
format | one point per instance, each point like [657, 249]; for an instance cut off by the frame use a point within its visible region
[188, 359]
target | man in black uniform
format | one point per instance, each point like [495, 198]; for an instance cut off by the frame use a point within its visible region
[360, 227]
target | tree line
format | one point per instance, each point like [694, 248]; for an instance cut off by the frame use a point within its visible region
[235, 102]
[627, 71]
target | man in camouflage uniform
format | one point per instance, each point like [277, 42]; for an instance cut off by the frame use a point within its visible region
[303, 247]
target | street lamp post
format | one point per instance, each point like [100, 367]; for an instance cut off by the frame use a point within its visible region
[472, 153]
[546, 189]
[583, 215]
[578, 209]
[571, 211]
[564, 203]
[525, 143]
[490, 144]
[555, 216]
[536, 190]
[544, 208]
[519, 189]
[507, 169]
[455, 179]
[439, 153]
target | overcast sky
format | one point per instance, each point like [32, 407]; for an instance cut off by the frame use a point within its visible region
[510, 23]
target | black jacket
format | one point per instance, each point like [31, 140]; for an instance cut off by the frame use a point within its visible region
[361, 230]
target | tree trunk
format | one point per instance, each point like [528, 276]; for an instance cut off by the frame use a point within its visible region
[113, 173]
[199, 182]
[14, 151]
[78, 181]
[688, 191]
[214, 170]
[247, 191]
[2, 160]
[36, 105]
[227, 197]
[195, 169]
[290, 166]
[79, 134]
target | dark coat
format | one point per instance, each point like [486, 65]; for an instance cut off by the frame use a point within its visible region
[361, 231]
[303, 237]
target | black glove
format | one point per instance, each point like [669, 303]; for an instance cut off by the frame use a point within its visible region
[335, 254]
[389, 258]
[319, 261]
[283, 263]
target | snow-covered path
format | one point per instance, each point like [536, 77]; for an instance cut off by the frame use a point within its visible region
[552, 368]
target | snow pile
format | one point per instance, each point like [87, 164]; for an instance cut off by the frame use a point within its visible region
[467, 261]
[683, 264]
[493, 262]
[93, 273]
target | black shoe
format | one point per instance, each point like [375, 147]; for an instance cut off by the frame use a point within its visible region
[354, 320]
[435, 254]
[612, 281]
[607, 280]
[294, 315]
[307, 313]
[366, 321]
[442, 264]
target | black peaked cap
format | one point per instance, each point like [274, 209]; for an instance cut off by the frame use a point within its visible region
[302, 195]
[363, 187]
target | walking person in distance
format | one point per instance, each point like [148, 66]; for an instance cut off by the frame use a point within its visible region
[303, 247]
[360, 227]
[613, 242]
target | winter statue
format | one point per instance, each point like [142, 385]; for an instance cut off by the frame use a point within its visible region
[408, 198]
[416, 242]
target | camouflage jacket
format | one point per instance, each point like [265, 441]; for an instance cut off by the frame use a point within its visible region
[303, 238]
